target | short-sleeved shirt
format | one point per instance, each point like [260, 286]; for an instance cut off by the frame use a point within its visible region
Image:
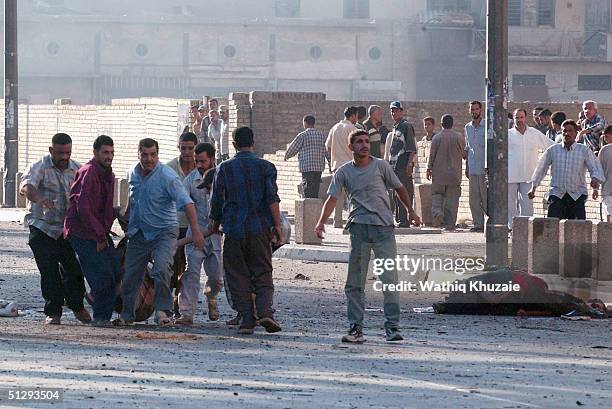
[175, 165]
[475, 147]
[367, 189]
[401, 144]
[52, 184]
[154, 200]
[200, 197]
[374, 136]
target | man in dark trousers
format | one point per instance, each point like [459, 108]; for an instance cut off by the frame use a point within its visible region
[245, 202]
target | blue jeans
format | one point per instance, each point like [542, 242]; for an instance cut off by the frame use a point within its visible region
[161, 249]
[101, 269]
[364, 239]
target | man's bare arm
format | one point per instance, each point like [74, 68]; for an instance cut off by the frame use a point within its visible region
[328, 208]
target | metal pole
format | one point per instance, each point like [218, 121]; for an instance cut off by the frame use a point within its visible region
[497, 134]
[10, 102]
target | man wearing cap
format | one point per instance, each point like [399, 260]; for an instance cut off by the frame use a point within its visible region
[400, 151]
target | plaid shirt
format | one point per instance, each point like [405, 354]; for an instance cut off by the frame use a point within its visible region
[310, 147]
[243, 190]
[52, 184]
[568, 169]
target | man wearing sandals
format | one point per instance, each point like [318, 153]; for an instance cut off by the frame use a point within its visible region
[155, 195]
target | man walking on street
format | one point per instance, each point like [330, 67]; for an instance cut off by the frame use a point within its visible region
[475, 165]
[88, 224]
[46, 185]
[155, 194]
[400, 152]
[309, 145]
[182, 165]
[569, 161]
[444, 169]
[245, 202]
[223, 153]
[366, 181]
[337, 148]
[210, 255]
[524, 145]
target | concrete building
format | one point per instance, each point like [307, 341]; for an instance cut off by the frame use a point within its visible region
[94, 51]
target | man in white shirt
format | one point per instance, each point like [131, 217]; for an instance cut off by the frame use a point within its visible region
[338, 147]
[524, 146]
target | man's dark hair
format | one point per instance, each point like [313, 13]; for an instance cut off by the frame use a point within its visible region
[545, 112]
[102, 140]
[147, 143]
[349, 112]
[517, 110]
[205, 147]
[213, 100]
[538, 108]
[358, 132]
[447, 121]
[309, 120]
[362, 112]
[572, 123]
[429, 119]
[188, 137]
[476, 103]
[195, 107]
[243, 137]
[558, 117]
[608, 130]
[61, 139]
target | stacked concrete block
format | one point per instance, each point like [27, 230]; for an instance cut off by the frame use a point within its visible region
[575, 248]
[422, 203]
[602, 238]
[1, 188]
[543, 246]
[520, 243]
[325, 182]
[307, 212]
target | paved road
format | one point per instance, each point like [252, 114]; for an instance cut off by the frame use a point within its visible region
[445, 362]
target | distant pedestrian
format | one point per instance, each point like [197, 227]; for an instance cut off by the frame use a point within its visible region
[475, 147]
[372, 126]
[555, 133]
[592, 126]
[401, 153]
[444, 170]
[337, 148]
[366, 181]
[155, 194]
[223, 154]
[605, 159]
[88, 224]
[569, 161]
[524, 146]
[361, 117]
[309, 145]
[46, 185]
[245, 203]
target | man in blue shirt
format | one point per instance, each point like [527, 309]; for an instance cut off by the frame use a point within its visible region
[245, 202]
[155, 194]
[475, 165]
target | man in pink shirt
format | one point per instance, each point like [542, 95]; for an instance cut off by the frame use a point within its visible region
[87, 226]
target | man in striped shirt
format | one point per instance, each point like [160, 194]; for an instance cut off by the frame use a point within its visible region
[569, 161]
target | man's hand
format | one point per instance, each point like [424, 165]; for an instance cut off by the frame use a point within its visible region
[467, 173]
[214, 228]
[278, 235]
[319, 230]
[198, 238]
[101, 245]
[414, 218]
[47, 203]
[429, 173]
[594, 184]
[531, 194]
[595, 194]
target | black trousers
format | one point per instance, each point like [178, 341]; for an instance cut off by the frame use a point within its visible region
[248, 269]
[311, 182]
[567, 208]
[61, 277]
[401, 215]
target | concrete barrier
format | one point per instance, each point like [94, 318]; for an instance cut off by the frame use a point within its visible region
[422, 202]
[123, 193]
[543, 246]
[602, 234]
[520, 243]
[575, 248]
[325, 182]
[307, 212]
[20, 201]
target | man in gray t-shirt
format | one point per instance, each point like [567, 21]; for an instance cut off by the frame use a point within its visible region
[366, 181]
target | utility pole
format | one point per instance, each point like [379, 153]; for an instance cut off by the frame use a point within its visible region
[11, 139]
[497, 134]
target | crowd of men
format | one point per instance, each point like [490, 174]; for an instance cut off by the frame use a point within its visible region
[448, 148]
[206, 211]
